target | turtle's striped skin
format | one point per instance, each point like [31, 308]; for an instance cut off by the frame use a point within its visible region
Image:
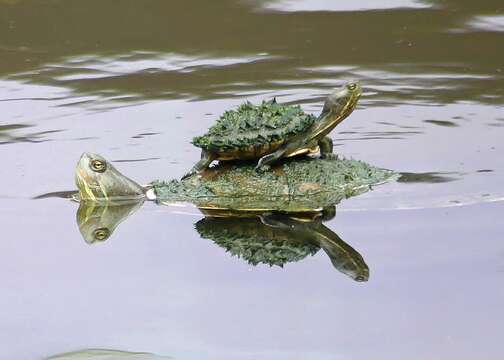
[271, 131]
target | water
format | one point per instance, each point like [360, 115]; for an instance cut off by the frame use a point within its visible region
[135, 81]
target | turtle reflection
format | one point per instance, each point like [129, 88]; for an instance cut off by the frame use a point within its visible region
[97, 221]
[258, 238]
[278, 238]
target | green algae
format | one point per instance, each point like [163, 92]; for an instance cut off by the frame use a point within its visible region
[294, 185]
[255, 125]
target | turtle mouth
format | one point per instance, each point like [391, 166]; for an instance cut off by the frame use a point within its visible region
[361, 278]
[351, 103]
[86, 185]
[357, 94]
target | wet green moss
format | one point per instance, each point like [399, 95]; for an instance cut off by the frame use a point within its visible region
[255, 125]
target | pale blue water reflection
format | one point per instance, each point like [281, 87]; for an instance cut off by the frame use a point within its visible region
[135, 82]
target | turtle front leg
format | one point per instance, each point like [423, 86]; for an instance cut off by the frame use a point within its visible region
[265, 162]
[206, 159]
[326, 148]
[275, 220]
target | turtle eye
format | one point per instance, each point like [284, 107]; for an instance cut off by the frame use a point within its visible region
[352, 86]
[98, 166]
[101, 234]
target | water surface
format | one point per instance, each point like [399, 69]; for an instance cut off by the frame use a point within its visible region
[136, 81]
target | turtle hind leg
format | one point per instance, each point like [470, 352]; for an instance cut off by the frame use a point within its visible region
[206, 159]
[326, 148]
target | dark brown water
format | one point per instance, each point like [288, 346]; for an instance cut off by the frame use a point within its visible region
[135, 81]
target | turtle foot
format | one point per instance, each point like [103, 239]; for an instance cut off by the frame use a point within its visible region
[262, 168]
[188, 175]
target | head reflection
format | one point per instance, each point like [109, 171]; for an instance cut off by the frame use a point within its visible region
[97, 221]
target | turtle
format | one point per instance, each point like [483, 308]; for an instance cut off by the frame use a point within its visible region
[292, 186]
[275, 239]
[280, 221]
[97, 220]
[271, 131]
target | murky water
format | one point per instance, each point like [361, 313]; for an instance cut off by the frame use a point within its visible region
[135, 81]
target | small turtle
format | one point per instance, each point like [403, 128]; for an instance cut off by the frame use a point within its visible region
[271, 131]
[277, 239]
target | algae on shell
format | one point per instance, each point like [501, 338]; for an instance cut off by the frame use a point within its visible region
[294, 185]
[255, 125]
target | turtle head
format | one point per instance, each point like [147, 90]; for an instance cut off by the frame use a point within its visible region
[98, 180]
[341, 102]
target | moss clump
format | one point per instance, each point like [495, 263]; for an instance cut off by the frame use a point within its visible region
[255, 125]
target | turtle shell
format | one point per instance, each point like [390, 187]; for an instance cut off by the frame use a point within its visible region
[301, 185]
[252, 126]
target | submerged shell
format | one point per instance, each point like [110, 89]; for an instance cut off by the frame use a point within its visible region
[255, 125]
[304, 185]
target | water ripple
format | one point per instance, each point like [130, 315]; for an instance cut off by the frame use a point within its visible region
[356, 5]
[94, 66]
[490, 23]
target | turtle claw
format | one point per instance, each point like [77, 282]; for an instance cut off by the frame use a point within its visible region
[188, 175]
[262, 168]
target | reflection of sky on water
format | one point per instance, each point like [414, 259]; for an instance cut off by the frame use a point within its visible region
[155, 285]
[137, 77]
[487, 23]
[325, 5]
[144, 61]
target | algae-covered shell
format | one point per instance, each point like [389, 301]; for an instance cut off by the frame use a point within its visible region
[304, 185]
[250, 128]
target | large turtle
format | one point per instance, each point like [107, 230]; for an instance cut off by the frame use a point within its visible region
[271, 218]
[271, 131]
[292, 186]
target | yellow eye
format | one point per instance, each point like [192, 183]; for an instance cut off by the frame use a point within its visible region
[98, 166]
[352, 86]
[101, 234]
